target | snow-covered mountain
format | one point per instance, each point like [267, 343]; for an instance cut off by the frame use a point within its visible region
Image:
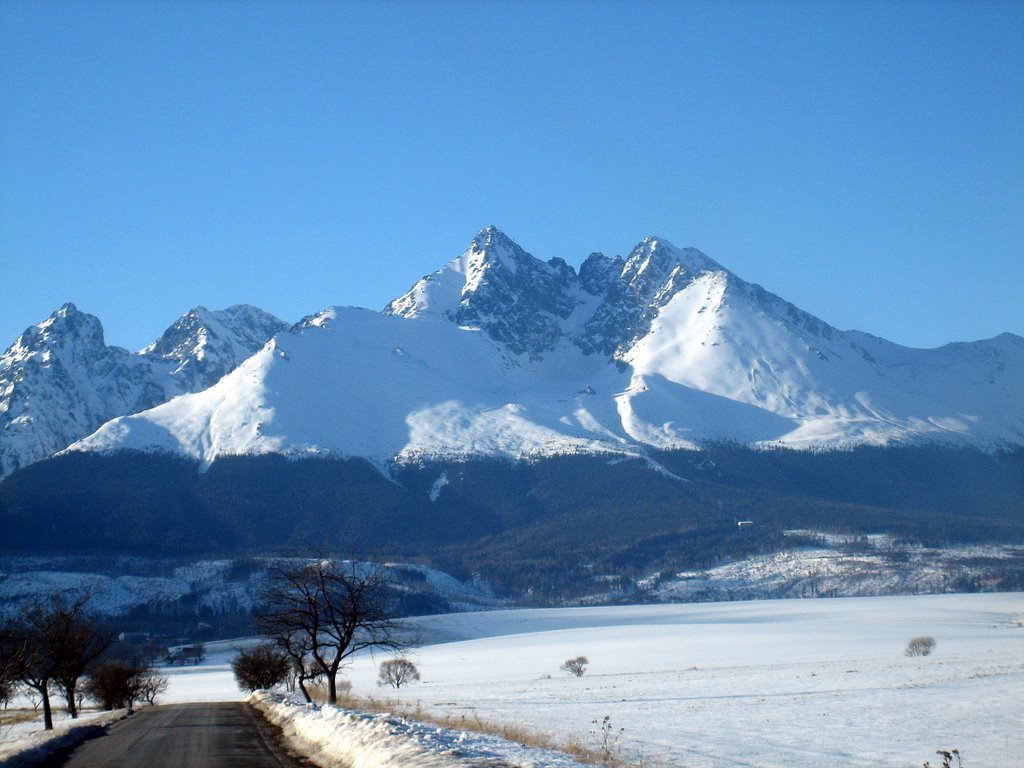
[500, 354]
[59, 381]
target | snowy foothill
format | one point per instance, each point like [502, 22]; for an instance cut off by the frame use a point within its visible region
[875, 565]
[795, 683]
[120, 585]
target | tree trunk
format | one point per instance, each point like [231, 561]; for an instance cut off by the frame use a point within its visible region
[332, 687]
[47, 711]
[302, 687]
[69, 694]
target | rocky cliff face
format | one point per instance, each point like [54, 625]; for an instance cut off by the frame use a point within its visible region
[498, 287]
[531, 306]
[203, 345]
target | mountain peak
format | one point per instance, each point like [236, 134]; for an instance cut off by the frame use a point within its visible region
[66, 311]
[492, 250]
[491, 236]
[524, 303]
[496, 286]
[660, 253]
[598, 272]
[203, 345]
[64, 326]
[59, 381]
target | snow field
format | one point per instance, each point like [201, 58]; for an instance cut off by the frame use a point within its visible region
[776, 683]
[794, 683]
[212, 680]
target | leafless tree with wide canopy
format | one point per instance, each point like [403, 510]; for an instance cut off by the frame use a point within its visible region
[321, 612]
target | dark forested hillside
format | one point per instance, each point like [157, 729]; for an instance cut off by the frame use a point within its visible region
[539, 525]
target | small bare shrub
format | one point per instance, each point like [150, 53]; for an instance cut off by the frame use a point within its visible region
[152, 686]
[7, 689]
[607, 738]
[947, 758]
[920, 646]
[575, 667]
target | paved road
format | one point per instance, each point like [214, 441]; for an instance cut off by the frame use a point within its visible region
[222, 735]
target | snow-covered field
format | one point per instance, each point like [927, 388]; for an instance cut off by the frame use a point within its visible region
[795, 683]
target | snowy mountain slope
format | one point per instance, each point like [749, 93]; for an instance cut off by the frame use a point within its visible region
[59, 381]
[500, 354]
[727, 338]
[359, 383]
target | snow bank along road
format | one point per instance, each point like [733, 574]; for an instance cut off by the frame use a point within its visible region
[224, 735]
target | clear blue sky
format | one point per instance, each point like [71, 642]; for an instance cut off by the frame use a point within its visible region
[864, 160]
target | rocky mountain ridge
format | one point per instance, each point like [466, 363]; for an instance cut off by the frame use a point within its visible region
[59, 381]
[500, 354]
[530, 305]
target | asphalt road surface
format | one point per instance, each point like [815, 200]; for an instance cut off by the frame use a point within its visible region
[222, 735]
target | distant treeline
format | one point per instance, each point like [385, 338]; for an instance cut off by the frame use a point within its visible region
[546, 528]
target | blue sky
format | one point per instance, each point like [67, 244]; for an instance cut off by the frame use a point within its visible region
[862, 160]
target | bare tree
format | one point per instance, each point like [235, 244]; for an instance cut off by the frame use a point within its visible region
[11, 654]
[575, 667]
[7, 686]
[50, 645]
[152, 685]
[261, 667]
[81, 641]
[34, 664]
[321, 612]
[397, 672]
[298, 648]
